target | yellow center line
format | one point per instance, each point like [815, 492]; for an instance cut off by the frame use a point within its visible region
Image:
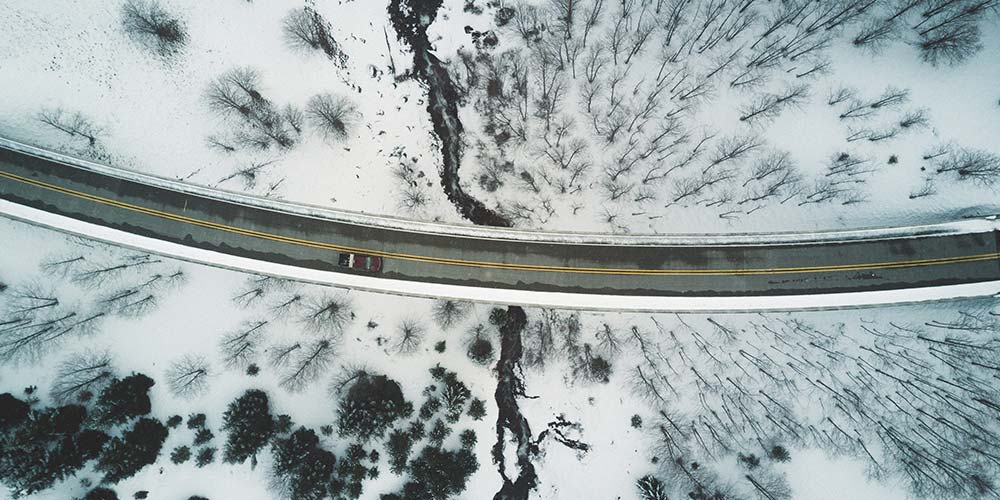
[499, 265]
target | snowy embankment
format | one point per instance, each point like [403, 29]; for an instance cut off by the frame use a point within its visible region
[490, 295]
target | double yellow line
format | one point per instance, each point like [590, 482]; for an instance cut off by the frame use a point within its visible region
[500, 265]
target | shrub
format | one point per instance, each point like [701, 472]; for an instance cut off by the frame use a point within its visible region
[371, 405]
[439, 474]
[101, 493]
[651, 488]
[13, 411]
[300, 466]
[477, 409]
[180, 455]
[196, 421]
[469, 439]
[125, 398]
[249, 424]
[480, 350]
[205, 457]
[779, 454]
[203, 436]
[137, 448]
[399, 445]
[636, 422]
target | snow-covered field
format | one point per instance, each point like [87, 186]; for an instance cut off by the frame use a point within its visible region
[193, 316]
[632, 116]
[153, 114]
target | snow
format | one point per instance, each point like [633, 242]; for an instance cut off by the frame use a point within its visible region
[156, 120]
[193, 318]
[155, 115]
[72, 54]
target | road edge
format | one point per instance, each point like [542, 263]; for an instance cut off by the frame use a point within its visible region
[569, 301]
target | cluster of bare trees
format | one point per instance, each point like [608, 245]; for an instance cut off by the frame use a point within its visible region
[857, 112]
[35, 318]
[150, 25]
[601, 96]
[913, 399]
[552, 335]
[258, 125]
[237, 96]
[300, 359]
[598, 97]
[945, 31]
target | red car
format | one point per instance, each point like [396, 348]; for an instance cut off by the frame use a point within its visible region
[360, 262]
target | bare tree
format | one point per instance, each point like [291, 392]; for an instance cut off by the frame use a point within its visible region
[890, 97]
[221, 144]
[327, 314]
[925, 189]
[411, 335]
[608, 340]
[975, 165]
[875, 35]
[280, 355]
[149, 24]
[35, 320]
[140, 295]
[74, 124]
[304, 28]
[257, 287]
[448, 312]
[768, 106]
[732, 148]
[914, 119]
[773, 176]
[95, 274]
[239, 348]
[187, 377]
[308, 363]
[82, 375]
[334, 116]
[949, 30]
[413, 198]
[840, 94]
[249, 174]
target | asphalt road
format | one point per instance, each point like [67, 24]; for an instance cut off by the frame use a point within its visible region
[723, 270]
